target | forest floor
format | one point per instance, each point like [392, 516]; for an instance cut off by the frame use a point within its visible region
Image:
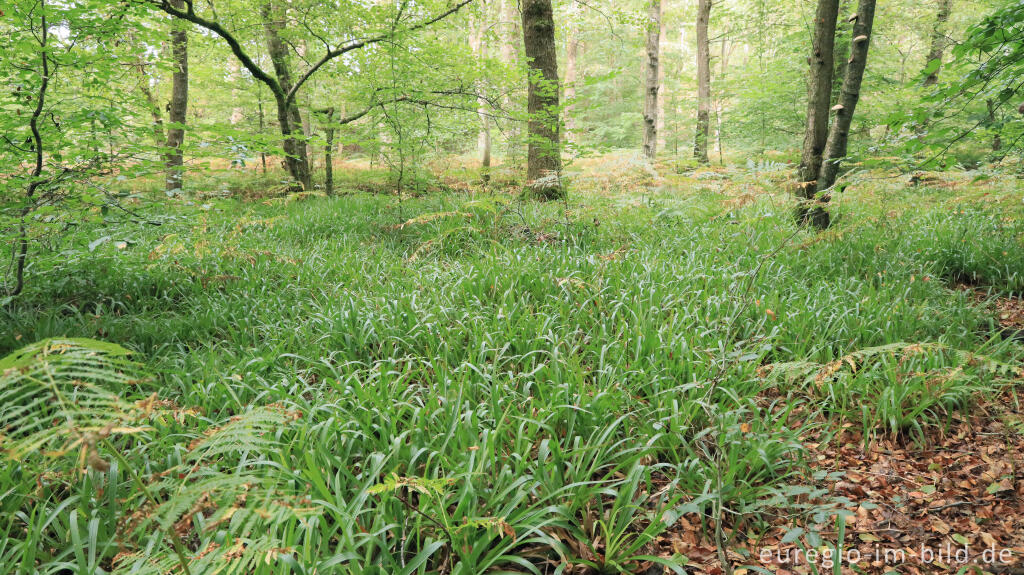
[471, 382]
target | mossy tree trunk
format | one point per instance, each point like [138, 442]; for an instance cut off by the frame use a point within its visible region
[652, 83]
[543, 159]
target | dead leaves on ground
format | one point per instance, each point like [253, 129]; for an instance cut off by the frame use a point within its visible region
[956, 504]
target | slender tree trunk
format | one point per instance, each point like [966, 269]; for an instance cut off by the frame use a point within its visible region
[508, 50]
[720, 100]
[174, 159]
[329, 152]
[477, 45]
[159, 138]
[938, 40]
[839, 133]
[997, 139]
[543, 161]
[660, 125]
[234, 70]
[571, 78]
[652, 84]
[154, 108]
[296, 158]
[819, 92]
[262, 124]
[37, 180]
[841, 49]
[700, 143]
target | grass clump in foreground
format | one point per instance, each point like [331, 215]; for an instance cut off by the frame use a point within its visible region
[480, 384]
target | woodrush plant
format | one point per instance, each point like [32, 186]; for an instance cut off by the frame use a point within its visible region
[528, 373]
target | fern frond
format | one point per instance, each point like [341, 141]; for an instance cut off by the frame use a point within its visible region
[252, 431]
[61, 394]
[811, 372]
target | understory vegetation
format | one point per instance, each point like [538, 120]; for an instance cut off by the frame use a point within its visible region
[461, 381]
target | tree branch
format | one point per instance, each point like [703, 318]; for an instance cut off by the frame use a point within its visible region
[189, 15]
[332, 54]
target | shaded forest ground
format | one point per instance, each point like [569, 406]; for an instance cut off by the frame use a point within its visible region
[569, 381]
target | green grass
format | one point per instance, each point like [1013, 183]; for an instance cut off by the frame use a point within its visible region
[497, 386]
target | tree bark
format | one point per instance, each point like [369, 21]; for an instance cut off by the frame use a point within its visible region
[479, 48]
[543, 160]
[329, 151]
[720, 100]
[262, 124]
[839, 133]
[652, 84]
[571, 77]
[660, 126]
[841, 49]
[509, 34]
[700, 143]
[819, 92]
[174, 159]
[296, 158]
[938, 45]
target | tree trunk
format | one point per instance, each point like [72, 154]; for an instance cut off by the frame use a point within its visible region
[262, 124]
[660, 126]
[159, 138]
[720, 101]
[700, 142]
[652, 79]
[938, 40]
[36, 180]
[174, 158]
[329, 151]
[819, 92]
[841, 49]
[476, 44]
[571, 78]
[839, 133]
[234, 72]
[997, 139]
[510, 34]
[296, 159]
[543, 160]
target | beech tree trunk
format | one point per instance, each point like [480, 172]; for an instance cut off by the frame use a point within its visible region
[479, 48]
[509, 34]
[296, 158]
[938, 40]
[819, 92]
[839, 133]
[841, 48]
[652, 79]
[174, 159]
[660, 126]
[720, 100]
[700, 143]
[543, 160]
[571, 77]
